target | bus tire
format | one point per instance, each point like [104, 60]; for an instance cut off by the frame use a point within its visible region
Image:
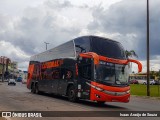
[32, 88]
[37, 89]
[72, 94]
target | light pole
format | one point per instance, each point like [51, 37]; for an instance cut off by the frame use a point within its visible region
[148, 69]
[46, 44]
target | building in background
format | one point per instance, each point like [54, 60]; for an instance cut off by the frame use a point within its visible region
[13, 69]
[23, 76]
[9, 69]
[143, 76]
[4, 63]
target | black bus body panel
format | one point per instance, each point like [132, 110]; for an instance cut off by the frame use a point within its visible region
[57, 79]
[67, 76]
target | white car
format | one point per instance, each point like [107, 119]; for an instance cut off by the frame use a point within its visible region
[152, 82]
[11, 82]
[144, 82]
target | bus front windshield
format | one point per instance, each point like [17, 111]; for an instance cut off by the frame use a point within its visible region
[112, 74]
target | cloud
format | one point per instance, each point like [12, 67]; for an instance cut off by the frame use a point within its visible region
[7, 49]
[25, 34]
[57, 5]
[37, 25]
[57, 21]
[128, 17]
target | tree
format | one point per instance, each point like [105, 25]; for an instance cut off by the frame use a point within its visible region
[157, 74]
[152, 74]
[131, 53]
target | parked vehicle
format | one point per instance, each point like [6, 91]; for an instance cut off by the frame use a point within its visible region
[19, 79]
[11, 82]
[144, 82]
[157, 82]
[152, 82]
[133, 82]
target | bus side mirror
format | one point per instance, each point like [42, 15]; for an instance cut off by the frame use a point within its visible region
[91, 55]
[79, 59]
[138, 63]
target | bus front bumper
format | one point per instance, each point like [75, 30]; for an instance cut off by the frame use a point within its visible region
[100, 96]
[101, 92]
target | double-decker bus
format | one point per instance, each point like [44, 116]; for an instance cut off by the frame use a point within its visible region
[88, 67]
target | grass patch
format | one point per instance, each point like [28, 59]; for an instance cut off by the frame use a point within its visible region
[141, 90]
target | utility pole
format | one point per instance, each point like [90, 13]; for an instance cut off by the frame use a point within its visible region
[148, 48]
[158, 81]
[46, 44]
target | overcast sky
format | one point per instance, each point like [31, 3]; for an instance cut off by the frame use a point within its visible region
[26, 24]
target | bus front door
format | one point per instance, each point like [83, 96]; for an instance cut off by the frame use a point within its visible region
[85, 76]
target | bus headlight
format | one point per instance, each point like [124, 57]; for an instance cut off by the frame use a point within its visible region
[109, 92]
[99, 89]
[116, 93]
[95, 87]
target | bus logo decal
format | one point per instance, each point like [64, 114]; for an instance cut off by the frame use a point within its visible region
[51, 64]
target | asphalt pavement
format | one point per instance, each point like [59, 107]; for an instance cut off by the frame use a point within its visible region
[19, 98]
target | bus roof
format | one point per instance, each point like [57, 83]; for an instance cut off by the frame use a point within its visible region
[71, 49]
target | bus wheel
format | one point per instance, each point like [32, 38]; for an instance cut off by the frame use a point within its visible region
[71, 94]
[32, 88]
[36, 89]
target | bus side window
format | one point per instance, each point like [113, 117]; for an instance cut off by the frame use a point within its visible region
[66, 74]
[86, 70]
[49, 74]
[56, 74]
[43, 74]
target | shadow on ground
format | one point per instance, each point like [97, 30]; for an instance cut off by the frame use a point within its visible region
[83, 102]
